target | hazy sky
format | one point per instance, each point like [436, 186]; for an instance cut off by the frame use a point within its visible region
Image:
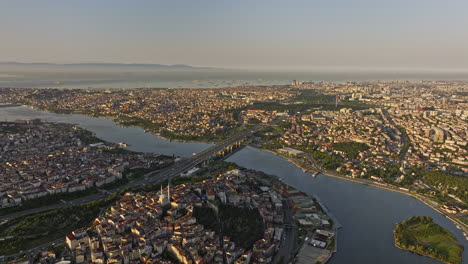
[292, 34]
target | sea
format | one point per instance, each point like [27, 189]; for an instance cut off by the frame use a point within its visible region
[131, 78]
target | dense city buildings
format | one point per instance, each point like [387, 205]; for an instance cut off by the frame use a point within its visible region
[412, 135]
[233, 132]
[172, 224]
[412, 123]
[381, 131]
[174, 113]
[407, 137]
[41, 158]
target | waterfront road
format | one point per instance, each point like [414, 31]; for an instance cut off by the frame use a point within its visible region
[427, 201]
[424, 199]
[154, 177]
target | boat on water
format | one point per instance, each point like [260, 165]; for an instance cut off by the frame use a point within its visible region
[315, 173]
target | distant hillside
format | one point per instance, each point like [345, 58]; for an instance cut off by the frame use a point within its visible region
[105, 65]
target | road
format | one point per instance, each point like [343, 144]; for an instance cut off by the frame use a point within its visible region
[427, 201]
[288, 240]
[32, 251]
[85, 199]
[435, 206]
[154, 177]
[404, 137]
[189, 163]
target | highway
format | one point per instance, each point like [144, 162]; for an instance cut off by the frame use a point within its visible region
[153, 177]
[156, 177]
[187, 164]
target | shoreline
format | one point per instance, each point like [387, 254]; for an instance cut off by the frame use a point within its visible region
[458, 223]
[115, 120]
[419, 253]
[336, 224]
[463, 226]
[2, 105]
[336, 176]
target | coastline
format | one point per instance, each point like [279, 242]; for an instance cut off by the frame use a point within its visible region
[424, 200]
[345, 178]
[115, 120]
[336, 224]
[417, 252]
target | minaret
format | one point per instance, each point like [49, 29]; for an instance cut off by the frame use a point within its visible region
[168, 192]
[162, 199]
[165, 200]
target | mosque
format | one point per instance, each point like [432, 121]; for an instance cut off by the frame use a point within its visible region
[163, 199]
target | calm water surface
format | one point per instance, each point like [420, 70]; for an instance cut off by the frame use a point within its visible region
[131, 78]
[367, 214]
[108, 130]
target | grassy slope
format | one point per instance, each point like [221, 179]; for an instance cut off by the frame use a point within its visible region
[423, 236]
[33, 230]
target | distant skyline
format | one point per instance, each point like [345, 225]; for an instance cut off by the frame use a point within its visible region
[264, 35]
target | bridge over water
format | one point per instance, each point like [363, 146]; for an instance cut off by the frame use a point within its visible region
[219, 150]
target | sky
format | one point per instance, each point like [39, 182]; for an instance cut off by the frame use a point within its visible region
[249, 34]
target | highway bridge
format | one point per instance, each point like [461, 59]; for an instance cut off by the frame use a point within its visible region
[155, 177]
[219, 150]
[216, 151]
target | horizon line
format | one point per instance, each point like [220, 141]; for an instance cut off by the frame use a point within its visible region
[261, 68]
